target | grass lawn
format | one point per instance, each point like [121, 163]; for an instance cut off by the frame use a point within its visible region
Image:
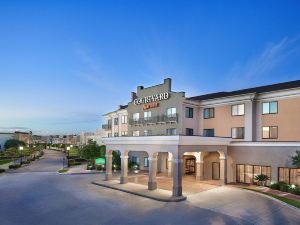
[4, 161]
[63, 170]
[283, 199]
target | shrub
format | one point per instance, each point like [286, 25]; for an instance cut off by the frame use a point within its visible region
[2, 170]
[100, 167]
[283, 187]
[275, 186]
[74, 163]
[90, 167]
[262, 179]
[295, 191]
[26, 162]
[14, 166]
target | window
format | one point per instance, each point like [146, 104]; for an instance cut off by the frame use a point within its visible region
[109, 135]
[116, 134]
[124, 119]
[209, 132]
[270, 107]
[147, 132]
[147, 115]
[189, 112]
[171, 112]
[237, 132]
[209, 113]
[134, 159]
[124, 133]
[135, 133]
[189, 132]
[171, 131]
[146, 162]
[270, 132]
[247, 173]
[136, 116]
[116, 121]
[109, 122]
[238, 110]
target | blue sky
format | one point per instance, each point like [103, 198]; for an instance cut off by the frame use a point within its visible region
[65, 63]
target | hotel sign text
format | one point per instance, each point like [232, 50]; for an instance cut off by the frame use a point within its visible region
[152, 98]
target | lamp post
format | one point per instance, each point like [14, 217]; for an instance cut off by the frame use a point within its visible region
[21, 149]
[68, 149]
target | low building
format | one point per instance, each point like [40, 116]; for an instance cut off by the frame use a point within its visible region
[226, 136]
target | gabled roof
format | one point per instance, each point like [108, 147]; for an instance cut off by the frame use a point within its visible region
[260, 89]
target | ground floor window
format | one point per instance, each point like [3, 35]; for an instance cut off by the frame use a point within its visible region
[289, 175]
[190, 166]
[146, 162]
[246, 173]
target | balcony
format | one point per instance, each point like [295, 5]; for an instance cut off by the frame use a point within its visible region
[155, 120]
[106, 126]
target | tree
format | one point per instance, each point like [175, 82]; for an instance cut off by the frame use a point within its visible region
[91, 151]
[296, 159]
[13, 143]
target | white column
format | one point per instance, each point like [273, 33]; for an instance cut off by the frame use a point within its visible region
[223, 170]
[177, 177]
[108, 171]
[124, 170]
[152, 185]
[199, 170]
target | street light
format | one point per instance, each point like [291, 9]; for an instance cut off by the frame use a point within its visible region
[21, 149]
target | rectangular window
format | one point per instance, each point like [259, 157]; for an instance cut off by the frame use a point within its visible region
[247, 173]
[189, 132]
[270, 107]
[237, 132]
[109, 135]
[270, 132]
[116, 134]
[209, 132]
[146, 162]
[171, 131]
[147, 132]
[289, 175]
[116, 121]
[135, 133]
[124, 133]
[189, 112]
[109, 123]
[238, 110]
[147, 115]
[208, 113]
[136, 116]
[171, 112]
[134, 159]
[124, 119]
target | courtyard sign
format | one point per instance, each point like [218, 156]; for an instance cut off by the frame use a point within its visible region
[152, 98]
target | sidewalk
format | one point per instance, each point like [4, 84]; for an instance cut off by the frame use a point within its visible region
[140, 190]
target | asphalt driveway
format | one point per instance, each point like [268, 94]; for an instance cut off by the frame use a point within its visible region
[38, 195]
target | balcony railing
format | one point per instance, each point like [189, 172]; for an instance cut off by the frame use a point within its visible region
[155, 120]
[106, 126]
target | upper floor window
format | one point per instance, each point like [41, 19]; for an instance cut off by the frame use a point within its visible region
[238, 110]
[124, 133]
[189, 112]
[116, 121]
[171, 112]
[270, 132]
[124, 119]
[171, 131]
[189, 132]
[147, 115]
[270, 107]
[136, 116]
[109, 122]
[209, 132]
[209, 113]
[136, 133]
[237, 132]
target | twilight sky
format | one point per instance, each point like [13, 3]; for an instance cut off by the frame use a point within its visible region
[65, 63]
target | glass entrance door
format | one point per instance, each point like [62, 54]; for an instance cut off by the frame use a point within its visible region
[190, 166]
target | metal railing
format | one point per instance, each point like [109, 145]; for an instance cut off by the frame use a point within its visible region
[155, 119]
[106, 126]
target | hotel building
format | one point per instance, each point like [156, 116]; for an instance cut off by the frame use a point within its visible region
[226, 136]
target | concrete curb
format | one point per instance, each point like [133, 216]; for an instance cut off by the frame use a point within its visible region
[84, 173]
[169, 199]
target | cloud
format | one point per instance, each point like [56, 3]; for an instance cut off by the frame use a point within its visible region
[266, 62]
